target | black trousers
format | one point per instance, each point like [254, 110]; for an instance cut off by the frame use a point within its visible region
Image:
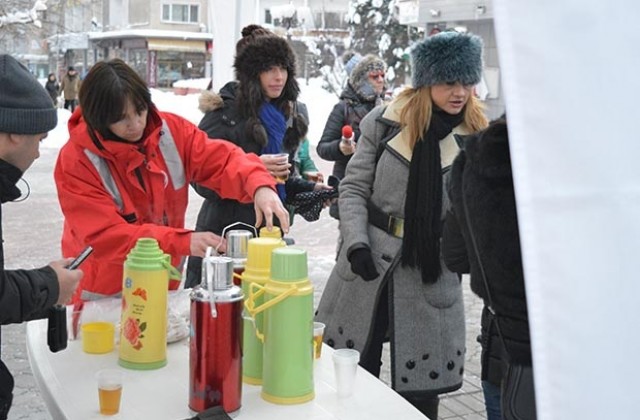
[371, 357]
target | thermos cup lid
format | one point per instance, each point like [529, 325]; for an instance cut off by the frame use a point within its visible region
[275, 232]
[219, 270]
[289, 264]
[238, 243]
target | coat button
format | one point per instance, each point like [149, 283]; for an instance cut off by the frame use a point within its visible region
[451, 365]
[340, 330]
[330, 342]
[350, 344]
[404, 379]
[434, 375]
[459, 353]
[425, 356]
[461, 371]
[411, 364]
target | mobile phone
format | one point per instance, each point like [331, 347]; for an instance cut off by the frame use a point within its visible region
[80, 258]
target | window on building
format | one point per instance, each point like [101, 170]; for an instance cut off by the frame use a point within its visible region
[267, 16]
[179, 12]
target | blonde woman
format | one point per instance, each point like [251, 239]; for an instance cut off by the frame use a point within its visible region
[389, 279]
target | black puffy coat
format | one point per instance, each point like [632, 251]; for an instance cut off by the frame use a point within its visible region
[24, 294]
[483, 172]
[350, 110]
[222, 120]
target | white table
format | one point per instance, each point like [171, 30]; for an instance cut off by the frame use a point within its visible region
[67, 384]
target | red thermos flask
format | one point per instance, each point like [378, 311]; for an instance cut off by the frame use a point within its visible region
[215, 356]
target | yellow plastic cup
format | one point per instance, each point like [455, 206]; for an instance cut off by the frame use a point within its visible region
[97, 337]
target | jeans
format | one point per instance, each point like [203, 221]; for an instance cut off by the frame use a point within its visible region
[492, 400]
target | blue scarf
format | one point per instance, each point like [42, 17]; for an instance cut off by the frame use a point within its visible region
[275, 124]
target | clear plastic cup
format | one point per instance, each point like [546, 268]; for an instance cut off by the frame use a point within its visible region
[318, 333]
[345, 363]
[109, 390]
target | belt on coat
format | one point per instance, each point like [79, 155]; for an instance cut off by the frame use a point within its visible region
[391, 224]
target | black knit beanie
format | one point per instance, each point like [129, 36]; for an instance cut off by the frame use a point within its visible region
[25, 106]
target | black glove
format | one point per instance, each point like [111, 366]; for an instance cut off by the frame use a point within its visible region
[362, 264]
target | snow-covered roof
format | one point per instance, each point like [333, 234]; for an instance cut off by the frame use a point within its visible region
[151, 33]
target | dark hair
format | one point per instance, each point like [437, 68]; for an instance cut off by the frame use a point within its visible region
[104, 93]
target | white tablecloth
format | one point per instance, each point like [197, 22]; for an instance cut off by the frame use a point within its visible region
[67, 383]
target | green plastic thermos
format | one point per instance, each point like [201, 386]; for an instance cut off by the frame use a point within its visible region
[257, 271]
[145, 281]
[287, 332]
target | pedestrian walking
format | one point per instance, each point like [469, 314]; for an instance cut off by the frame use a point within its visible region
[389, 280]
[52, 86]
[70, 88]
[26, 115]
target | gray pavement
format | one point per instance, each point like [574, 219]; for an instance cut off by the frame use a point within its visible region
[32, 232]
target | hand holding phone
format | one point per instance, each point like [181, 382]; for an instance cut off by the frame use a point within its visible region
[57, 335]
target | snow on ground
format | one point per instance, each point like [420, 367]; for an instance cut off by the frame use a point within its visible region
[318, 101]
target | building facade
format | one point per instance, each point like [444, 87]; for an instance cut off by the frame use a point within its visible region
[163, 40]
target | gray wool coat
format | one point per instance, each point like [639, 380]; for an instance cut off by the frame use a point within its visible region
[427, 327]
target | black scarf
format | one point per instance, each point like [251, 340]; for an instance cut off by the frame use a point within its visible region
[423, 202]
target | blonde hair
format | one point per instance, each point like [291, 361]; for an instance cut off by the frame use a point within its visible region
[415, 115]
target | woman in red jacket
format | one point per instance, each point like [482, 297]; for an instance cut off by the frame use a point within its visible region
[125, 174]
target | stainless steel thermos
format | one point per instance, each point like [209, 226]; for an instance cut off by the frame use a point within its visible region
[215, 356]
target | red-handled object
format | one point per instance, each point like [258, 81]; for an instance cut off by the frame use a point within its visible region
[215, 355]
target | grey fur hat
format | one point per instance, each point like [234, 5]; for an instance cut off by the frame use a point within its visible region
[25, 106]
[447, 57]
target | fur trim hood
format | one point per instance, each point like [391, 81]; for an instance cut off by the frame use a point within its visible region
[447, 57]
[359, 78]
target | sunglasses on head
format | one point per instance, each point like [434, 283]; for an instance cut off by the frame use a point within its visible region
[376, 75]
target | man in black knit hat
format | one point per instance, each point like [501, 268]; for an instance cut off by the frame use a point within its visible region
[26, 115]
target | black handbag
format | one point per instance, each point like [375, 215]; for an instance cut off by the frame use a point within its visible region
[517, 394]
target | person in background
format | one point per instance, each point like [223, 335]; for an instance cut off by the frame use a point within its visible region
[52, 86]
[125, 172]
[259, 112]
[481, 179]
[70, 88]
[303, 163]
[389, 279]
[26, 115]
[363, 92]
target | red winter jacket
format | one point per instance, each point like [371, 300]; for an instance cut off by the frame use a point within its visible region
[112, 193]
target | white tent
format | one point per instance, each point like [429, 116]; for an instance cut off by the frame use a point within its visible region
[570, 73]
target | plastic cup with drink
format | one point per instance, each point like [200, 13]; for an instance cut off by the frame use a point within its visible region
[109, 390]
[318, 332]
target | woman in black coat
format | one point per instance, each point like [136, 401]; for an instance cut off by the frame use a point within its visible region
[52, 86]
[481, 178]
[259, 114]
[363, 92]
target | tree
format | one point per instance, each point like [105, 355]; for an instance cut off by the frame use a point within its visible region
[375, 29]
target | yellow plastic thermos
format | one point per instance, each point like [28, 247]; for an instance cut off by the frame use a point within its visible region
[143, 326]
[257, 270]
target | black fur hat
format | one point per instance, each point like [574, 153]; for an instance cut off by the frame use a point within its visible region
[257, 57]
[447, 57]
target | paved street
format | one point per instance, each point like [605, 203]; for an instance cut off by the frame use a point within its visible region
[31, 238]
